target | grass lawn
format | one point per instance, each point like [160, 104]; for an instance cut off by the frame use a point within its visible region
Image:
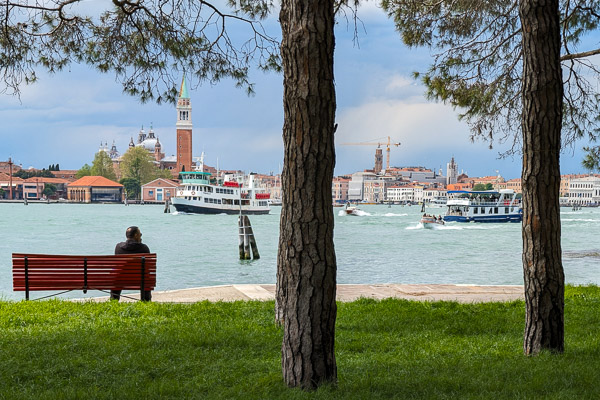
[385, 349]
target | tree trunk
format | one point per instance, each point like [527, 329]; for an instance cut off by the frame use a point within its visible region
[542, 116]
[306, 265]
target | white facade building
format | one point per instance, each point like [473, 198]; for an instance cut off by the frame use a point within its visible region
[584, 191]
[405, 193]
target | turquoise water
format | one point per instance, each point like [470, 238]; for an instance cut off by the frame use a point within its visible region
[382, 245]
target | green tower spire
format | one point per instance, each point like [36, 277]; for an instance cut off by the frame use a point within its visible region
[183, 92]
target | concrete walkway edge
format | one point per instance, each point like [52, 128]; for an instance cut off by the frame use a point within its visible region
[345, 292]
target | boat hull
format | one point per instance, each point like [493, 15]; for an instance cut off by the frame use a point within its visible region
[195, 209]
[487, 218]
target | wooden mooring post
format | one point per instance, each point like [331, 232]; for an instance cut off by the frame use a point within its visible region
[247, 241]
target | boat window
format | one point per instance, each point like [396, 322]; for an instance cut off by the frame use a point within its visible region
[490, 210]
[475, 210]
[495, 210]
[505, 210]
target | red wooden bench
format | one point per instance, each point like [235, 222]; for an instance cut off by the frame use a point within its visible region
[36, 272]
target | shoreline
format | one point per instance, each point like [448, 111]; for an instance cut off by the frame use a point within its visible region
[462, 293]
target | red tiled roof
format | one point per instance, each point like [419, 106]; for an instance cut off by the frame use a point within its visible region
[95, 181]
[6, 177]
[169, 182]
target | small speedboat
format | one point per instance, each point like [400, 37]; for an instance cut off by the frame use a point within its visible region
[429, 221]
[351, 210]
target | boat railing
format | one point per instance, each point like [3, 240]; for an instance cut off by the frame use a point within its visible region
[496, 203]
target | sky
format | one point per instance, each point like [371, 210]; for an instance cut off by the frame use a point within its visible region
[63, 118]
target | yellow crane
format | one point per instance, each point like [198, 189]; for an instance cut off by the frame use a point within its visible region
[378, 144]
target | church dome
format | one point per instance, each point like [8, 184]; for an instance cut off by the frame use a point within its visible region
[149, 144]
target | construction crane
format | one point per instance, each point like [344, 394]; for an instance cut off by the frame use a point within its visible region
[378, 144]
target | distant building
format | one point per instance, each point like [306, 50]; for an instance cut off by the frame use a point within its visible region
[565, 183]
[431, 194]
[339, 189]
[585, 191]
[33, 188]
[460, 186]
[65, 174]
[357, 183]
[5, 185]
[95, 189]
[514, 184]
[405, 193]
[159, 190]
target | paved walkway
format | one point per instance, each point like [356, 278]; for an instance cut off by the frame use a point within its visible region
[460, 293]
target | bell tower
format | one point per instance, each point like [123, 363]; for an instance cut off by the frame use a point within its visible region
[184, 130]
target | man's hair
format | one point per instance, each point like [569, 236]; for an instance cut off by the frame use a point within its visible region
[131, 232]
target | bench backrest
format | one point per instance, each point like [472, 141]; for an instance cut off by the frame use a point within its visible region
[71, 272]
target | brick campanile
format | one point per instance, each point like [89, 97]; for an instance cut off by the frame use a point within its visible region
[184, 130]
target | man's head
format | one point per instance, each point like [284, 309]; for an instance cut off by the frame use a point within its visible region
[134, 233]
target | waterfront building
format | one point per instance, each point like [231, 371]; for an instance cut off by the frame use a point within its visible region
[271, 184]
[496, 181]
[33, 188]
[5, 185]
[465, 185]
[159, 190]
[565, 182]
[339, 189]
[514, 184]
[431, 194]
[404, 193]
[356, 185]
[95, 189]
[584, 191]
[374, 191]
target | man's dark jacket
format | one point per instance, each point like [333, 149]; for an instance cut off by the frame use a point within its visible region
[131, 247]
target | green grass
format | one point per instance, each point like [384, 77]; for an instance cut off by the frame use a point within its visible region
[385, 349]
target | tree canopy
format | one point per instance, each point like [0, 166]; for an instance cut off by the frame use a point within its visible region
[103, 166]
[146, 44]
[478, 62]
[86, 170]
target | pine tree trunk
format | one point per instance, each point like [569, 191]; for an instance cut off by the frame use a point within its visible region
[306, 265]
[541, 124]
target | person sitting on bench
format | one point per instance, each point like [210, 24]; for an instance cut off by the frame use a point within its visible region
[133, 245]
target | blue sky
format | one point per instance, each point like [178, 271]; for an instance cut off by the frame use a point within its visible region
[63, 118]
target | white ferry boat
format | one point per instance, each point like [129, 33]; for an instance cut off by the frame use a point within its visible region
[201, 194]
[483, 206]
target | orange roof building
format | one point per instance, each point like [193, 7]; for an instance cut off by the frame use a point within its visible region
[95, 189]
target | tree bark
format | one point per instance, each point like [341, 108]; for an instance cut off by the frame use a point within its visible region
[306, 264]
[542, 120]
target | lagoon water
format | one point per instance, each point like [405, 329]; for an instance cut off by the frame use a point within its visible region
[382, 245]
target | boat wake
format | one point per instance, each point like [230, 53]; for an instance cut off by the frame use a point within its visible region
[435, 227]
[394, 215]
[357, 213]
[582, 254]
